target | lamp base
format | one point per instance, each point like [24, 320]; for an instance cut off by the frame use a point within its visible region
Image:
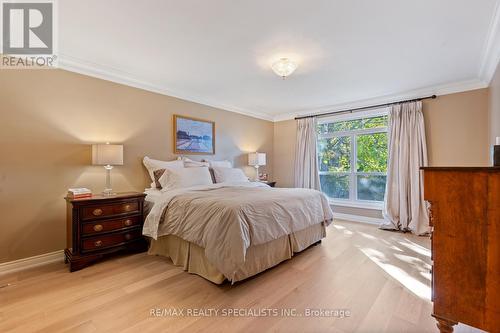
[256, 173]
[108, 192]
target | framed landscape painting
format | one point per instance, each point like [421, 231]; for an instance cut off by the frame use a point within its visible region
[193, 136]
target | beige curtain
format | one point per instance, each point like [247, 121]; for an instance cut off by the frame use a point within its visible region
[306, 158]
[404, 206]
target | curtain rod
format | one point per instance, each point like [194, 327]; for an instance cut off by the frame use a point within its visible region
[365, 107]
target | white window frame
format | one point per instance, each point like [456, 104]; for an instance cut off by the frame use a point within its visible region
[353, 201]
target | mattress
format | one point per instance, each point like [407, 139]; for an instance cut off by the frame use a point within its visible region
[192, 259]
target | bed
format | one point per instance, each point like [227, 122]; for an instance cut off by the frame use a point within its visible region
[233, 230]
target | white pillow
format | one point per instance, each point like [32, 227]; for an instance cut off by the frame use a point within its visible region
[189, 163]
[152, 165]
[225, 174]
[220, 164]
[184, 177]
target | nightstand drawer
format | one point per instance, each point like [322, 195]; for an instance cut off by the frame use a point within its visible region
[110, 225]
[100, 211]
[105, 241]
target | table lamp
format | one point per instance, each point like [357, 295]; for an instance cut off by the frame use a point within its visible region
[256, 160]
[108, 156]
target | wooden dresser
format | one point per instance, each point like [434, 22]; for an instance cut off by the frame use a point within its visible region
[465, 221]
[102, 225]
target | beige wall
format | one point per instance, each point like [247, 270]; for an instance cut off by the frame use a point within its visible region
[48, 118]
[284, 152]
[457, 128]
[495, 106]
[457, 135]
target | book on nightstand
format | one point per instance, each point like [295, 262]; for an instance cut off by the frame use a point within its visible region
[79, 193]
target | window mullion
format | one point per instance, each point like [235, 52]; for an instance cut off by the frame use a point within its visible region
[351, 132]
[354, 156]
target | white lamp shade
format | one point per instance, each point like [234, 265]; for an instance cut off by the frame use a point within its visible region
[106, 154]
[257, 159]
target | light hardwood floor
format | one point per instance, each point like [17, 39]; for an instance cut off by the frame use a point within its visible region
[381, 277]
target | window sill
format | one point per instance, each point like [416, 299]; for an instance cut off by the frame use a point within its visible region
[358, 204]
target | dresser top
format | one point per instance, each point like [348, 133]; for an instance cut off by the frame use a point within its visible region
[100, 197]
[464, 169]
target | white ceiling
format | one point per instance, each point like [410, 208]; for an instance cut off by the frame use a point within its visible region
[350, 52]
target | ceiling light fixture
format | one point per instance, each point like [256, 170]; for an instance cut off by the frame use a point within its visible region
[284, 67]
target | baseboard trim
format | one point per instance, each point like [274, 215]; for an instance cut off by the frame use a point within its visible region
[358, 218]
[25, 263]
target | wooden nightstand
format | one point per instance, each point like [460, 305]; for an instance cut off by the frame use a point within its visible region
[101, 225]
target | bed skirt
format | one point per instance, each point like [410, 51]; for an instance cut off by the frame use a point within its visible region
[192, 258]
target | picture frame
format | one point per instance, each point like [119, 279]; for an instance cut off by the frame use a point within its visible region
[193, 136]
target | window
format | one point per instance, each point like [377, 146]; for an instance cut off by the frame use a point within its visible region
[352, 157]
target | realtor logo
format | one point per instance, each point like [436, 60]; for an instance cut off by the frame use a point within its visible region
[28, 34]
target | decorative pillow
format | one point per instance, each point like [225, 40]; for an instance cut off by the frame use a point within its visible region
[212, 175]
[152, 165]
[220, 164]
[175, 178]
[189, 163]
[158, 173]
[225, 174]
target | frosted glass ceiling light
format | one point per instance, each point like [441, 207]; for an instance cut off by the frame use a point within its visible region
[284, 67]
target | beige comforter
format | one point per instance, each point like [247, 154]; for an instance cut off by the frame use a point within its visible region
[225, 219]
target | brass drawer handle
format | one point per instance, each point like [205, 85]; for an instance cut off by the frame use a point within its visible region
[127, 236]
[127, 223]
[98, 227]
[97, 212]
[126, 208]
[98, 243]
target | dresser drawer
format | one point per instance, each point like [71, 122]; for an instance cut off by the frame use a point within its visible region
[110, 240]
[100, 211]
[96, 227]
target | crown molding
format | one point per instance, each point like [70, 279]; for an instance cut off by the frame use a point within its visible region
[72, 64]
[491, 51]
[444, 89]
